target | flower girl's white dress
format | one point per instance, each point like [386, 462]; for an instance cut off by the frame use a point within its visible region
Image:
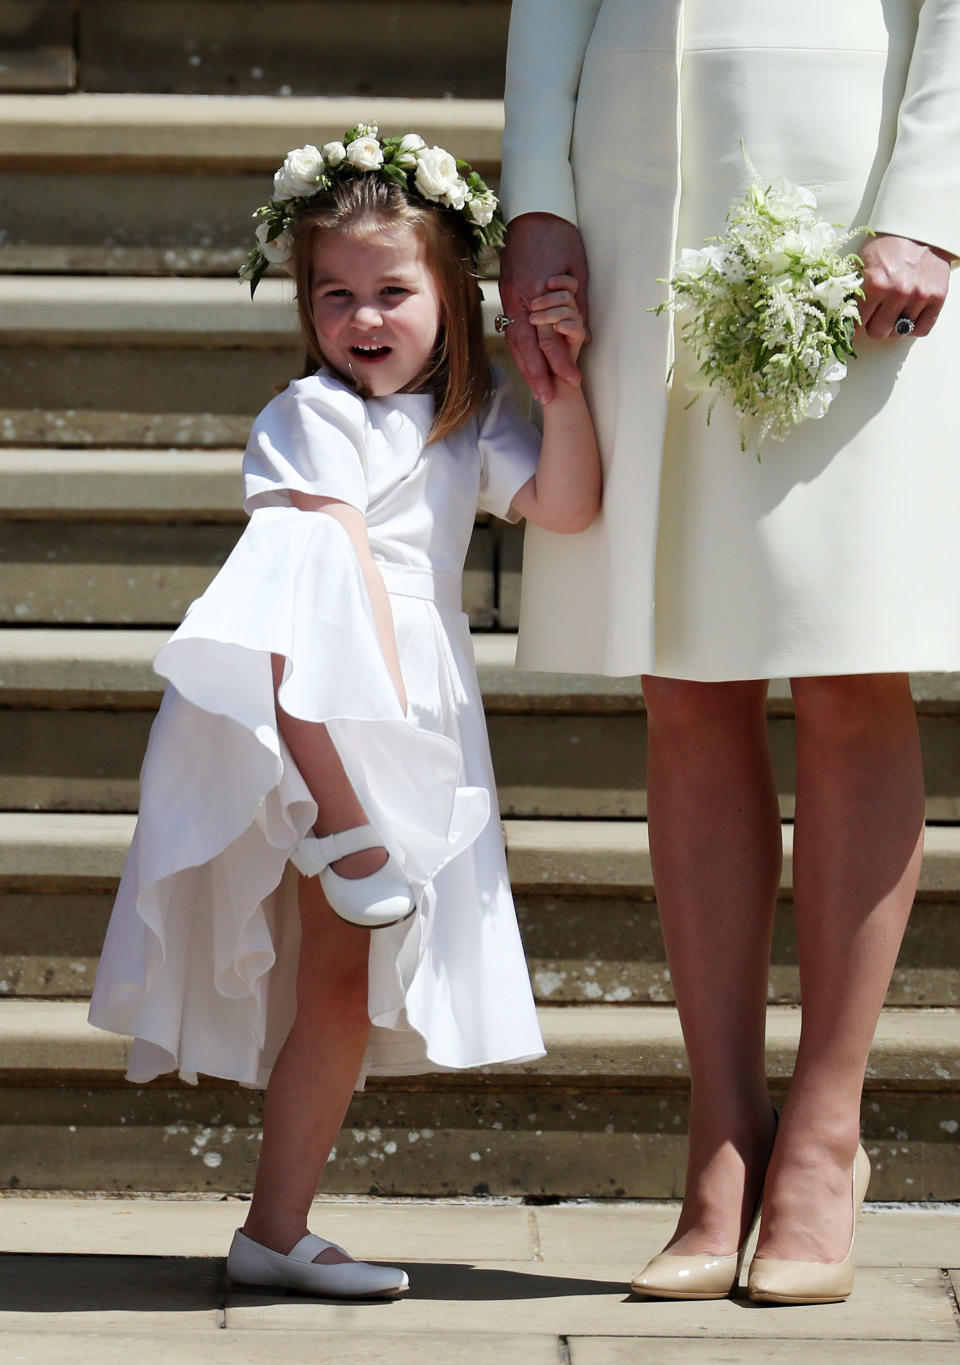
[200, 956]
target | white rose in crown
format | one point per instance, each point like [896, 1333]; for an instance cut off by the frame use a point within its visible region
[437, 173]
[365, 154]
[334, 153]
[277, 251]
[299, 173]
[457, 195]
[407, 151]
[481, 209]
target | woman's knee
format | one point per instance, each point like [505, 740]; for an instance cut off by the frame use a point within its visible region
[849, 707]
[685, 706]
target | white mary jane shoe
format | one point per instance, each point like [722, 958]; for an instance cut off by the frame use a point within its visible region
[252, 1264]
[373, 902]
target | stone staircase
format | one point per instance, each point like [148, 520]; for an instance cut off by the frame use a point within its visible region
[134, 139]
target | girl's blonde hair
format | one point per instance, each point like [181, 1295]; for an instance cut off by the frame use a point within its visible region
[459, 369]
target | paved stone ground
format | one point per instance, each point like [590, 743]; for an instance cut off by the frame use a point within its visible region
[142, 1280]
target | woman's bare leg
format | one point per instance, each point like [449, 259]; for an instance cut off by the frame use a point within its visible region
[716, 848]
[315, 1074]
[857, 851]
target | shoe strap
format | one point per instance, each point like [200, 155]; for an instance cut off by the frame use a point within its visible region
[313, 854]
[309, 1248]
[349, 841]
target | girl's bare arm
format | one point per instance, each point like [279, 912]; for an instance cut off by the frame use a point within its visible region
[564, 494]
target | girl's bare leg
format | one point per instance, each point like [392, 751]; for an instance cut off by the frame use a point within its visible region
[716, 849]
[315, 1074]
[317, 1068]
[857, 852]
[337, 805]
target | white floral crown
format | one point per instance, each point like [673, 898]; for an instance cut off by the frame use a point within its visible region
[428, 172]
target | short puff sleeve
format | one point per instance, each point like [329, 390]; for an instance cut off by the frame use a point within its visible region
[509, 449]
[309, 439]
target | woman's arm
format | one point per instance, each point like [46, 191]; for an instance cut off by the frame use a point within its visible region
[916, 214]
[564, 494]
[919, 195]
[548, 39]
[352, 521]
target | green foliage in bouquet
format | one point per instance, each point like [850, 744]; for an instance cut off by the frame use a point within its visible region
[769, 309]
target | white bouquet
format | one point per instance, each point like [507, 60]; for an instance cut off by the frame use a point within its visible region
[772, 309]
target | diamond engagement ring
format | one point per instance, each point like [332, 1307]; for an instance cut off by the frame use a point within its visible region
[904, 326]
[501, 323]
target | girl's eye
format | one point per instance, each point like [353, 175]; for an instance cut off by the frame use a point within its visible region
[395, 289]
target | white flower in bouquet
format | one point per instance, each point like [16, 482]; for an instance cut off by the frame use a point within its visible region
[769, 310]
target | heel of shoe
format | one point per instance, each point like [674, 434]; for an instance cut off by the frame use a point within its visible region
[793, 1282]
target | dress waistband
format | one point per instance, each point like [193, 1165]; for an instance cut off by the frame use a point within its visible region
[407, 580]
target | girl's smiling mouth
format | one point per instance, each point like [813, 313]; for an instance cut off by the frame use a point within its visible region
[371, 352]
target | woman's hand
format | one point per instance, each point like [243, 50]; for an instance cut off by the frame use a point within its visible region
[540, 246]
[556, 312]
[902, 278]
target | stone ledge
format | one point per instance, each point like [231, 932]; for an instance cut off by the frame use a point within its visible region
[235, 132]
[93, 310]
[75, 852]
[62, 667]
[194, 484]
[913, 1049]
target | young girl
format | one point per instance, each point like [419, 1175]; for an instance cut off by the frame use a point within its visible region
[323, 714]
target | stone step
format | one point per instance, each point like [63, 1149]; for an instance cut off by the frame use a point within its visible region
[584, 895]
[224, 47]
[146, 362]
[165, 184]
[37, 45]
[384, 47]
[603, 1114]
[76, 706]
[113, 570]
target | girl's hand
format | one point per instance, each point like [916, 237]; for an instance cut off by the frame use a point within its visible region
[557, 311]
[539, 245]
[901, 278]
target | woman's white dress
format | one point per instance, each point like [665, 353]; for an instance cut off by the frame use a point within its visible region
[200, 957]
[837, 554]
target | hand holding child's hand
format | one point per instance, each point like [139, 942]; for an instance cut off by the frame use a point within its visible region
[558, 310]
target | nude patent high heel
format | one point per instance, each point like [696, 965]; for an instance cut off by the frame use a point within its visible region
[694, 1277]
[773, 1281]
[700, 1277]
[373, 902]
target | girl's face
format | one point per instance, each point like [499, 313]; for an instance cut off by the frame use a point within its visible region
[376, 310]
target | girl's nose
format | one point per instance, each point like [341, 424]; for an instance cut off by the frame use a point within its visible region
[368, 315]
